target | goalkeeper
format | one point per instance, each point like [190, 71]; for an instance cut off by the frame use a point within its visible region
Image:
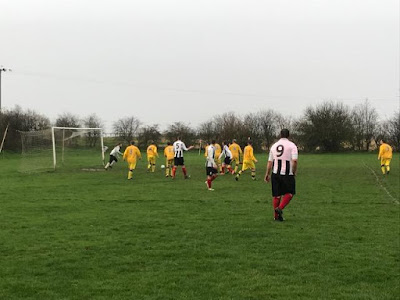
[114, 155]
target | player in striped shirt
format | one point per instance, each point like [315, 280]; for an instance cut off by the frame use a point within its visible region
[211, 166]
[179, 148]
[249, 161]
[282, 162]
[226, 164]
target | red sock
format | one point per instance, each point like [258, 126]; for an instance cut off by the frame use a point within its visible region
[184, 170]
[230, 170]
[285, 200]
[223, 170]
[209, 183]
[275, 204]
[173, 171]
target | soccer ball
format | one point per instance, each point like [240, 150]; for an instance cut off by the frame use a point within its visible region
[162, 166]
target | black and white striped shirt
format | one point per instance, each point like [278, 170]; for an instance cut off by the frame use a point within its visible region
[179, 147]
[210, 156]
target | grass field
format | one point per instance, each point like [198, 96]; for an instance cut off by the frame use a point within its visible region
[74, 234]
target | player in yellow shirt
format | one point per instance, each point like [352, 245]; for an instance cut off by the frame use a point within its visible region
[131, 154]
[152, 156]
[169, 159]
[236, 154]
[217, 160]
[249, 161]
[385, 155]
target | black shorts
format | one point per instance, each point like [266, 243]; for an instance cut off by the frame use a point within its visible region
[227, 160]
[210, 171]
[283, 184]
[113, 158]
[178, 161]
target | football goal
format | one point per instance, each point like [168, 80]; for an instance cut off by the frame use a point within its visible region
[66, 147]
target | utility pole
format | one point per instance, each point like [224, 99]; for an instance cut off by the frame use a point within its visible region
[2, 69]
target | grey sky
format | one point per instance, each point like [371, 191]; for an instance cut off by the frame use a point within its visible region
[166, 61]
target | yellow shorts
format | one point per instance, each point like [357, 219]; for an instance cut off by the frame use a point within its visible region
[217, 161]
[248, 164]
[385, 161]
[132, 165]
[152, 160]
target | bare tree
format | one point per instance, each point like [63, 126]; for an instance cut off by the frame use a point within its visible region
[179, 129]
[364, 119]
[20, 120]
[390, 131]
[92, 121]
[127, 128]
[327, 126]
[149, 133]
[207, 131]
[68, 120]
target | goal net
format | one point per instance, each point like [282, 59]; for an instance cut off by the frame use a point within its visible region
[62, 147]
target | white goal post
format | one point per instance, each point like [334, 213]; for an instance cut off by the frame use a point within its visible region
[84, 130]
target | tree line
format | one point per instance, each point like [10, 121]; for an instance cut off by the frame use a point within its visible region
[326, 127]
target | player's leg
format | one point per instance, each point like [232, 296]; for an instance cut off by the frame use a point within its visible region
[287, 189]
[245, 166]
[109, 162]
[236, 160]
[114, 160]
[153, 164]
[253, 170]
[387, 165]
[176, 163]
[383, 167]
[167, 167]
[132, 167]
[275, 203]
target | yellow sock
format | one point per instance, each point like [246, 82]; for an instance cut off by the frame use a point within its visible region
[153, 168]
[387, 168]
[130, 175]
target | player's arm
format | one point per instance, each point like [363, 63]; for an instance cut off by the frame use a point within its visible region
[125, 154]
[294, 156]
[267, 177]
[138, 153]
[156, 152]
[380, 152]
[253, 157]
[294, 166]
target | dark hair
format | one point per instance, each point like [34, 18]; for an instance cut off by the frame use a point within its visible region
[383, 140]
[132, 142]
[212, 141]
[249, 142]
[284, 133]
[169, 143]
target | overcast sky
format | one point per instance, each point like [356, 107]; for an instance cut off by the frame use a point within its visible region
[184, 60]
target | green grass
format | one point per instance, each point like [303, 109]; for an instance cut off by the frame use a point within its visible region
[73, 234]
